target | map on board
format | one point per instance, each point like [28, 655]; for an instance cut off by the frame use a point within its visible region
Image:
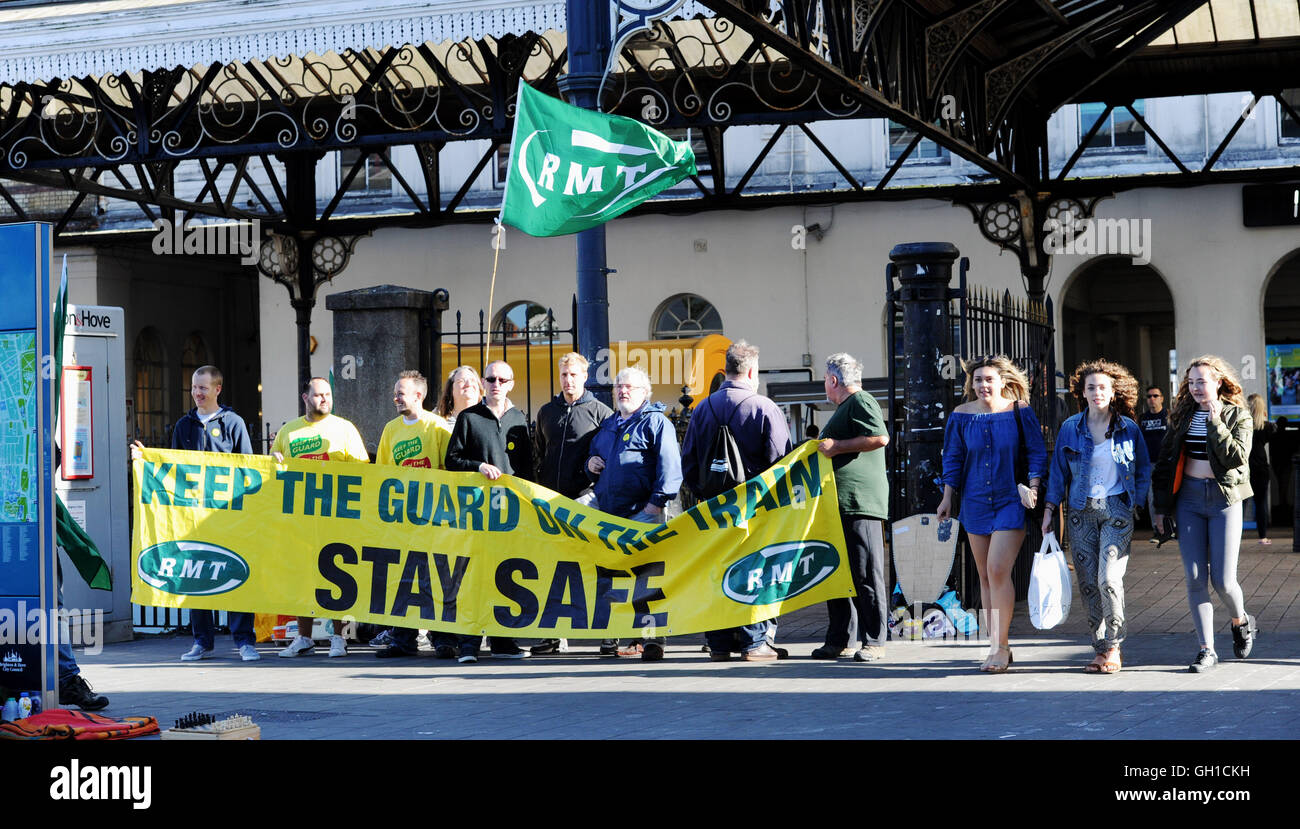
[18, 439]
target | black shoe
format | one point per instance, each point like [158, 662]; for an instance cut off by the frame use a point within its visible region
[719, 656]
[444, 652]
[76, 691]
[825, 652]
[1205, 661]
[547, 646]
[781, 653]
[652, 652]
[394, 652]
[508, 652]
[1243, 637]
[609, 647]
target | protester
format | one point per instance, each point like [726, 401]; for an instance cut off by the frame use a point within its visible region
[212, 427]
[853, 438]
[491, 438]
[763, 438]
[1153, 423]
[415, 438]
[982, 444]
[1260, 482]
[637, 469]
[464, 388]
[565, 427]
[1203, 475]
[318, 435]
[1100, 463]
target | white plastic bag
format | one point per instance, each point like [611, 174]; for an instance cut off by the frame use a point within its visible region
[1049, 585]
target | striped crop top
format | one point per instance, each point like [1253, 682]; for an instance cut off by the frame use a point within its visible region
[1195, 441]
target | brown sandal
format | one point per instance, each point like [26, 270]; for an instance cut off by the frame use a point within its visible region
[1112, 664]
[1097, 664]
[995, 665]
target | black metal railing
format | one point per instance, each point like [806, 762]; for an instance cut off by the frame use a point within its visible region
[507, 342]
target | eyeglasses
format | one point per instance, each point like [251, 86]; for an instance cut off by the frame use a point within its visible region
[502, 380]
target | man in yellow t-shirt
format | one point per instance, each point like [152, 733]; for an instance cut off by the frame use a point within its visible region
[318, 435]
[416, 438]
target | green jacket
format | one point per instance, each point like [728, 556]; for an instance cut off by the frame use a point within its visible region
[1227, 442]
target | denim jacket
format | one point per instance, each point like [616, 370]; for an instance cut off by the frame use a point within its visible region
[1073, 456]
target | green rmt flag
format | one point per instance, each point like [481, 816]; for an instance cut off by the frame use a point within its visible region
[572, 169]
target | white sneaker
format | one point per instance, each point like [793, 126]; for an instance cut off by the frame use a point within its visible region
[299, 646]
[338, 646]
[196, 653]
[248, 653]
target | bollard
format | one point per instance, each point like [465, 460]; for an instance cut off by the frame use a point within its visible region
[1295, 499]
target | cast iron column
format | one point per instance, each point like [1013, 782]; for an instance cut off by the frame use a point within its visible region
[924, 270]
[588, 36]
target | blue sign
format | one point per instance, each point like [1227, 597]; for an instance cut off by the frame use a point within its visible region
[28, 580]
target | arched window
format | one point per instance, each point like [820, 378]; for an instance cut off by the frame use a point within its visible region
[685, 315]
[523, 320]
[150, 370]
[193, 355]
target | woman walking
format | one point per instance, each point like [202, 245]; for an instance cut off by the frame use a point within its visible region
[1259, 477]
[983, 441]
[1100, 463]
[1203, 475]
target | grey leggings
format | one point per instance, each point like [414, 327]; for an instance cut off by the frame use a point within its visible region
[1209, 537]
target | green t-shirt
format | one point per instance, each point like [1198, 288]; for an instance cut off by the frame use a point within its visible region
[859, 477]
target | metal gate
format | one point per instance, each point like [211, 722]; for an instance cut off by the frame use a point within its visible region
[980, 323]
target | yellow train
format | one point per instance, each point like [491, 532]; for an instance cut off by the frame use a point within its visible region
[698, 363]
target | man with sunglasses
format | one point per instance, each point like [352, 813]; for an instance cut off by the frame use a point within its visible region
[491, 438]
[1153, 423]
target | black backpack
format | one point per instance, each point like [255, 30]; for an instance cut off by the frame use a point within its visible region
[725, 467]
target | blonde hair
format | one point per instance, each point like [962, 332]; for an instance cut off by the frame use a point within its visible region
[574, 358]
[1229, 389]
[1016, 384]
[1258, 411]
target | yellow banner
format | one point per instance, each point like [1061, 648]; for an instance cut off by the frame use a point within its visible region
[455, 552]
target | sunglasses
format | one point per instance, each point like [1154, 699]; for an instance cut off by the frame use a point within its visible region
[498, 380]
[1154, 395]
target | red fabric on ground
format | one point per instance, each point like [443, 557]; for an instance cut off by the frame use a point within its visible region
[62, 724]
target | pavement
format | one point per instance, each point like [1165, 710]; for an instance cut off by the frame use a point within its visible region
[922, 690]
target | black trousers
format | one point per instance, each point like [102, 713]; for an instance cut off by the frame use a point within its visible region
[864, 617]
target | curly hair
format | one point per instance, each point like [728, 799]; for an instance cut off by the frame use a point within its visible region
[1016, 383]
[1122, 380]
[1229, 389]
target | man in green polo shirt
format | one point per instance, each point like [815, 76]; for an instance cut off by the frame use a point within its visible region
[854, 439]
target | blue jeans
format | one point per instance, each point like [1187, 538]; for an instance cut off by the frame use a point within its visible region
[744, 638]
[203, 623]
[1209, 540]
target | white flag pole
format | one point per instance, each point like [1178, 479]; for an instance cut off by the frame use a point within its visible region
[499, 228]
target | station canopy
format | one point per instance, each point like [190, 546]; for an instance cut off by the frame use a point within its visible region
[180, 104]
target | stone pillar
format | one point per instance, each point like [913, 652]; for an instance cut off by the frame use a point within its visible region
[378, 333]
[924, 270]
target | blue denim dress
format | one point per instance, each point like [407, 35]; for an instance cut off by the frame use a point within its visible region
[979, 461]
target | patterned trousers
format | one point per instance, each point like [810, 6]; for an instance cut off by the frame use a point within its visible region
[1099, 543]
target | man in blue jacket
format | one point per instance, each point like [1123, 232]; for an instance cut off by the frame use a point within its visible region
[637, 469]
[212, 427]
